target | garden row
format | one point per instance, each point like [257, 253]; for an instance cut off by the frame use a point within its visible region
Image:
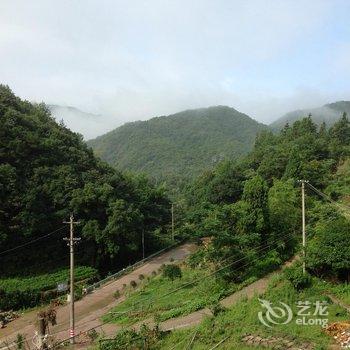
[19, 293]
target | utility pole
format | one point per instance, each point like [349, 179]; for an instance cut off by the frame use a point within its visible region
[303, 221]
[172, 222]
[71, 242]
[42, 333]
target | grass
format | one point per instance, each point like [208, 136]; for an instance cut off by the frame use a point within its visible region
[151, 300]
[242, 319]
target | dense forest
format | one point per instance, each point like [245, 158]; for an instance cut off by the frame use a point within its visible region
[179, 147]
[248, 207]
[48, 172]
[254, 204]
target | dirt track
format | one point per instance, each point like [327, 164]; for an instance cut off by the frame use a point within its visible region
[89, 309]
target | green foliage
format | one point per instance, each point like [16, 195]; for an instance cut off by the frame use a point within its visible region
[18, 293]
[47, 172]
[262, 209]
[329, 252]
[180, 146]
[20, 339]
[172, 272]
[157, 297]
[144, 339]
[244, 316]
[296, 277]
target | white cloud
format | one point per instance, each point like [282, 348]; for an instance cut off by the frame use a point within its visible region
[133, 60]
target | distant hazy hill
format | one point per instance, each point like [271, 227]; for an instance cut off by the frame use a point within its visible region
[329, 113]
[88, 124]
[179, 145]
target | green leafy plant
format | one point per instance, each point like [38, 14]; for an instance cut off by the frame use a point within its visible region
[172, 272]
[297, 278]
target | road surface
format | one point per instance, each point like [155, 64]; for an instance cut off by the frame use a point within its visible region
[89, 309]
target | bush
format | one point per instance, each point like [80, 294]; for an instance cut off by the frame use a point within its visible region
[172, 272]
[141, 277]
[297, 278]
[20, 339]
[197, 258]
[92, 334]
[133, 284]
[216, 308]
[154, 273]
[116, 294]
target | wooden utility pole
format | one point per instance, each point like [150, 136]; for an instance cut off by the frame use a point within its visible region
[41, 334]
[71, 242]
[172, 222]
[303, 222]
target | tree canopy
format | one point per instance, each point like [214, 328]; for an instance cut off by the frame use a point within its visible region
[48, 172]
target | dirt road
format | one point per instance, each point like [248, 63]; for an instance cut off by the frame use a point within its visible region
[89, 309]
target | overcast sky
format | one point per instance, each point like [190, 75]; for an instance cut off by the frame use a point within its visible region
[129, 60]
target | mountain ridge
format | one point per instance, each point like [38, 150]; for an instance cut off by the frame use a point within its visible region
[184, 143]
[328, 113]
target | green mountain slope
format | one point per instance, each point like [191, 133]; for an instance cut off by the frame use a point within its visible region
[328, 113]
[180, 145]
[48, 172]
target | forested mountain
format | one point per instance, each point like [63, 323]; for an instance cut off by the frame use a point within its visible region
[249, 212]
[47, 172]
[88, 124]
[256, 201]
[328, 113]
[180, 145]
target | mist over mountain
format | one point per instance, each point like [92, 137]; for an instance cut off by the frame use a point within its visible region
[88, 124]
[181, 145]
[328, 113]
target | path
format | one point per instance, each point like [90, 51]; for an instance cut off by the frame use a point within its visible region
[256, 288]
[89, 309]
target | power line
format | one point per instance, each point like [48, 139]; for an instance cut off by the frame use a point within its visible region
[261, 248]
[341, 206]
[105, 322]
[30, 242]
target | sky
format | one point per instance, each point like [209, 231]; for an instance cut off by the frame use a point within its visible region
[132, 60]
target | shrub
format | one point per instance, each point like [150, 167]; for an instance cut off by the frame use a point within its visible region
[197, 258]
[172, 272]
[297, 278]
[154, 273]
[116, 294]
[141, 277]
[216, 308]
[20, 338]
[133, 284]
[92, 334]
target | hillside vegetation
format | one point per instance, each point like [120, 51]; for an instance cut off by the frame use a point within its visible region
[179, 146]
[250, 209]
[328, 113]
[48, 172]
